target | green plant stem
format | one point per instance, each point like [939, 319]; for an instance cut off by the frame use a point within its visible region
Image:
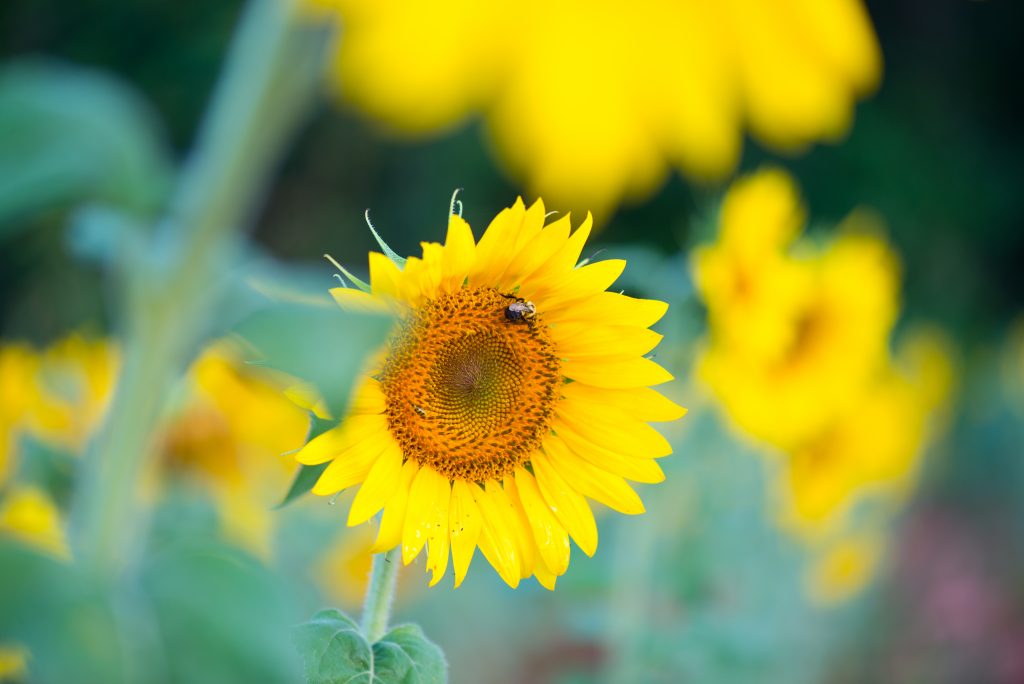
[169, 278]
[379, 596]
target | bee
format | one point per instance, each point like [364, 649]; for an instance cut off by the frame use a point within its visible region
[419, 411]
[520, 310]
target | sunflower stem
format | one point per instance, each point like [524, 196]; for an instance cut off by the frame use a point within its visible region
[379, 596]
[169, 277]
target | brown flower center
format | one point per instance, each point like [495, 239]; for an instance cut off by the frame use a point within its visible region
[469, 390]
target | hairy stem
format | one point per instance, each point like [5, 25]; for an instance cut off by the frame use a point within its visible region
[379, 595]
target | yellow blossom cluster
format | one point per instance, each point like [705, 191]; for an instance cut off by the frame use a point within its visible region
[798, 355]
[227, 434]
[592, 103]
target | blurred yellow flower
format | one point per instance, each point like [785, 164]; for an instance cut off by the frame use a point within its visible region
[13, 663]
[229, 437]
[795, 330]
[31, 516]
[514, 385]
[844, 567]
[343, 572]
[594, 102]
[18, 365]
[747, 276]
[797, 355]
[72, 388]
[874, 447]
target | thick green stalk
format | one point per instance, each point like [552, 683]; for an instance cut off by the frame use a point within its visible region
[379, 596]
[169, 278]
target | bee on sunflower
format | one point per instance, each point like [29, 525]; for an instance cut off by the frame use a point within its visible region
[513, 387]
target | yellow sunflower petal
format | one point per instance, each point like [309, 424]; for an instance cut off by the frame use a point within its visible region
[351, 299]
[600, 485]
[459, 253]
[520, 524]
[421, 514]
[377, 487]
[569, 255]
[464, 524]
[613, 429]
[368, 398]
[438, 535]
[497, 538]
[616, 374]
[643, 403]
[577, 340]
[393, 521]
[385, 276]
[492, 250]
[581, 283]
[568, 505]
[550, 536]
[605, 307]
[352, 465]
[538, 253]
[636, 468]
[545, 577]
[433, 268]
[326, 446]
[464, 521]
[411, 283]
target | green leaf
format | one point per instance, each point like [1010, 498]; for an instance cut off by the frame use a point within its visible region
[336, 652]
[61, 615]
[307, 475]
[220, 617]
[69, 134]
[304, 480]
[405, 656]
[322, 345]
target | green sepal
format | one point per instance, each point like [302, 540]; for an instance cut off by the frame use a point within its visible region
[398, 260]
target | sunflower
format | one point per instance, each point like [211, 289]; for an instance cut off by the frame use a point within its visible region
[513, 387]
[844, 567]
[227, 437]
[796, 329]
[828, 474]
[592, 103]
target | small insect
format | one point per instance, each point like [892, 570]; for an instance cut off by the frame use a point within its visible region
[520, 310]
[419, 411]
